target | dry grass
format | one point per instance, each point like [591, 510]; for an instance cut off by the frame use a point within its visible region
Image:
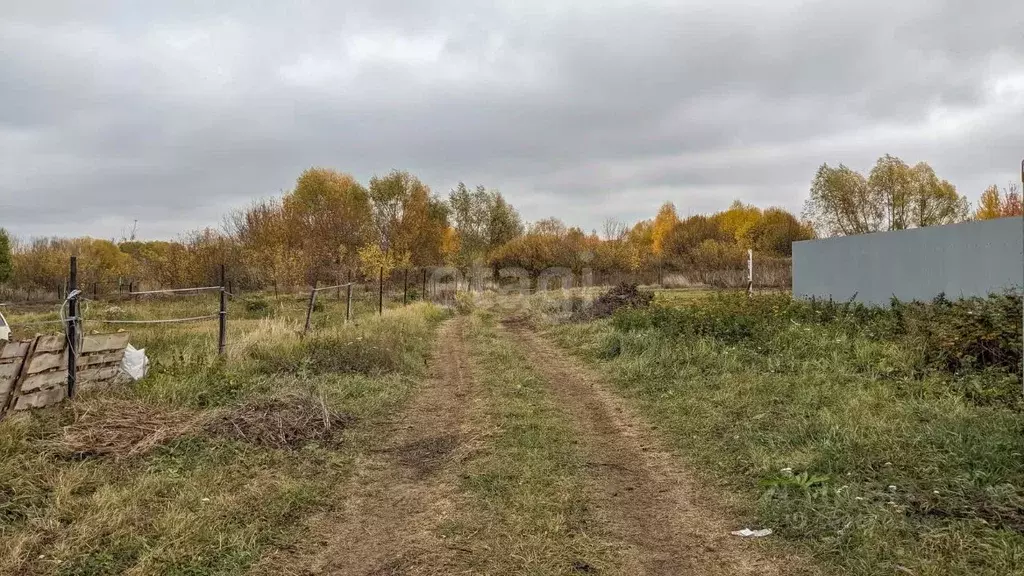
[123, 428]
[209, 462]
[286, 422]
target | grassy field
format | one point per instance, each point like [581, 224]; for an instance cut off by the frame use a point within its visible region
[846, 439]
[208, 462]
[872, 441]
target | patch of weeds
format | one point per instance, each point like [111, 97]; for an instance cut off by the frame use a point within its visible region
[258, 307]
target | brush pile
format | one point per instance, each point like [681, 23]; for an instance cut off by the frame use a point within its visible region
[286, 422]
[604, 306]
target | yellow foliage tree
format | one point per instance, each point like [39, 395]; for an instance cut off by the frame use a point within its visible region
[664, 222]
[995, 204]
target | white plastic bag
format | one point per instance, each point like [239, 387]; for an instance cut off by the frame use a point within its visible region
[135, 363]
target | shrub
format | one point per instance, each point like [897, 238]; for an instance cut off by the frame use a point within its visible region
[464, 303]
[975, 333]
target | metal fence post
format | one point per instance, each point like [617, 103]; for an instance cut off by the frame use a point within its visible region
[222, 339]
[423, 295]
[405, 291]
[380, 296]
[71, 331]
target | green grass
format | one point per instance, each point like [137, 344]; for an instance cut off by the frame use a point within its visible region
[526, 510]
[198, 503]
[840, 448]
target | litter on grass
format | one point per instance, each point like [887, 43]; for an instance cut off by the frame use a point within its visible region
[748, 533]
[135, 363]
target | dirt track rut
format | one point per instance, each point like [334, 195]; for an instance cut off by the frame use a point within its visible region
[400, 493]
[639, 492]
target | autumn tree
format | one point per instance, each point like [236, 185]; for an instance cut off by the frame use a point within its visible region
[327, 218]
[505, 222]
[611, 253]
[100, 262]
[410, 224]
[686, 236]
[639, 246]
[484, 220]
[373, 260]
[737, 220]
[422, 228]
[891, 186]
[775, 231]
[533, 252]
[989, 205]
[451, 245]
[894, 197]
[995, 204]
[577, 250]
[388, 197]
[934, 202]
[470, 217]
[841, 203]
[664, 222]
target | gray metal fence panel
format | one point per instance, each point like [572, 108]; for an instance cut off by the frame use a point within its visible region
[958, 260]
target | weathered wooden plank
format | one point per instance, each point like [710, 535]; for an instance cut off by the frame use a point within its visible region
[51, 343]
[100, 374]
[97, 358]
[8, 374]
[40, 399]
[14, 350]
[104, 342]
[10, 369]
[45, 380]
[47, 361]
[15, 393]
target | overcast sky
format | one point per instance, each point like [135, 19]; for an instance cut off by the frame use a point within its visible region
[175, 114]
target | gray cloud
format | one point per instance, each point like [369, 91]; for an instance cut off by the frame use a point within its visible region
[175, 113]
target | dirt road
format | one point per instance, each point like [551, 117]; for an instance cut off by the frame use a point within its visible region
[639, 491]
[641, 504]
[402, 492]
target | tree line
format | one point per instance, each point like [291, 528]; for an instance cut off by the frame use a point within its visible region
[896, 196]
[330, 225]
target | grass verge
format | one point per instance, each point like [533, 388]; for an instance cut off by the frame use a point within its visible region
[198, 469]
